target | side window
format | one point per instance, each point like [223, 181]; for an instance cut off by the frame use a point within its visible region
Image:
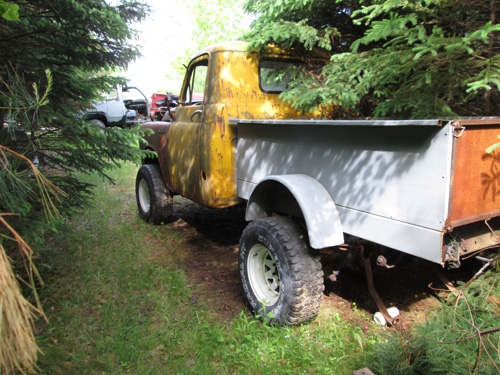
[111, 94]
[196, 84]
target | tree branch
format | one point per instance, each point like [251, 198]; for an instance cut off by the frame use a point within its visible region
[479, 334]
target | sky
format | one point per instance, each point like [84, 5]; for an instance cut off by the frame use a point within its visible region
[163, 36]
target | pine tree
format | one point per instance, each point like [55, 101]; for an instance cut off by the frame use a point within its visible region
[391, 58]
[55, 59]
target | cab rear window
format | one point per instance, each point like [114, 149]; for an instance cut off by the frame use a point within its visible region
[274, 75]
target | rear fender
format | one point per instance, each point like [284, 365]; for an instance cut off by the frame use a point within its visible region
[301, 196]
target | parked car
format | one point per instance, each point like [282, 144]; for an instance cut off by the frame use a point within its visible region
[122, 107]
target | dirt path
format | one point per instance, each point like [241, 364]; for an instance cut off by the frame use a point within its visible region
[210, 261]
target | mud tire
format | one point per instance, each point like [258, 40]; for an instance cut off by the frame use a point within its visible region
[297, 280]
[154, 200]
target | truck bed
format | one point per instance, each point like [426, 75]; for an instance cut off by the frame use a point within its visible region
[403, 184]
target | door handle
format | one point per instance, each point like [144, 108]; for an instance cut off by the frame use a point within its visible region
[197, 112]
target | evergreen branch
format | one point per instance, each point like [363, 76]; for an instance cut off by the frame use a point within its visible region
[478, 334]
[27, 254]
[21, 36]
[40, 101]
[46, 187]
[488, 354]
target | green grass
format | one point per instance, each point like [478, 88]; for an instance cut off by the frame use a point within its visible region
[116, 307]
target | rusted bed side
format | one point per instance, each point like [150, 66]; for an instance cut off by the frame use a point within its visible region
[475, 186]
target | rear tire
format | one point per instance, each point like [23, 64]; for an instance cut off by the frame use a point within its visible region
[281, 275]
[154, 200]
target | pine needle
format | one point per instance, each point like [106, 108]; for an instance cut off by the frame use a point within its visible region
[18, 349]
[46, 188]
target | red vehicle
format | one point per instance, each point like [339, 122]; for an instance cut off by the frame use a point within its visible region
[163, 106]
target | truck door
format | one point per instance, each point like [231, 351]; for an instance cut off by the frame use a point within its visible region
[184, 134]
[115, 108]
[112, 107]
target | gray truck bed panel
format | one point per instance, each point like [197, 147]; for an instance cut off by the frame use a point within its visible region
[388, 182]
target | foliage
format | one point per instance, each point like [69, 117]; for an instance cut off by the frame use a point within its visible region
[214, 21]
[492, 148]
[52, 60]
[16, 186]
[18, 349]
[9, 11]
[462, 338]
[75, 43]
[217, 21]
[77, 40]
[303, 24]
[414, 58]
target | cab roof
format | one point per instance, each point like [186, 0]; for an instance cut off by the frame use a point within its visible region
[240, 46]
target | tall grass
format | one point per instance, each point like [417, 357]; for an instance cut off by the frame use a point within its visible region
[116, 307]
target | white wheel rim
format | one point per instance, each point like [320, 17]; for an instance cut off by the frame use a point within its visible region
[263, 274]
[144, 197]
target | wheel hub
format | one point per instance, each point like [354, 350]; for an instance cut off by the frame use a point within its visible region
[263, 274]
[144, 197]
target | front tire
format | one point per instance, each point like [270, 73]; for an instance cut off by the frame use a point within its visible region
[281, 275]
[154, 200]
[98, 123]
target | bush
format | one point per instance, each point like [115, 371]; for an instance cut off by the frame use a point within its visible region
[461, 338]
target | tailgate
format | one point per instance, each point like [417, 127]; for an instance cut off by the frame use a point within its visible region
[474, 213]
[475, 184]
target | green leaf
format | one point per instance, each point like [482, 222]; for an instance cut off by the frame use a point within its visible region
[9, 11]
[492, 148]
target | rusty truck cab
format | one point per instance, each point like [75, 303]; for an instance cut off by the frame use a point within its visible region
[222, 82]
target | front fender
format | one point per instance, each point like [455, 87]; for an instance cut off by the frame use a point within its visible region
[308, 196]
[156, 139]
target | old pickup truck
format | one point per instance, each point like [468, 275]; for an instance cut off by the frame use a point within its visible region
[421, 187]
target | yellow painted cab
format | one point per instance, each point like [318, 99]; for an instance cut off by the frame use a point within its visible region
[196, 151]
